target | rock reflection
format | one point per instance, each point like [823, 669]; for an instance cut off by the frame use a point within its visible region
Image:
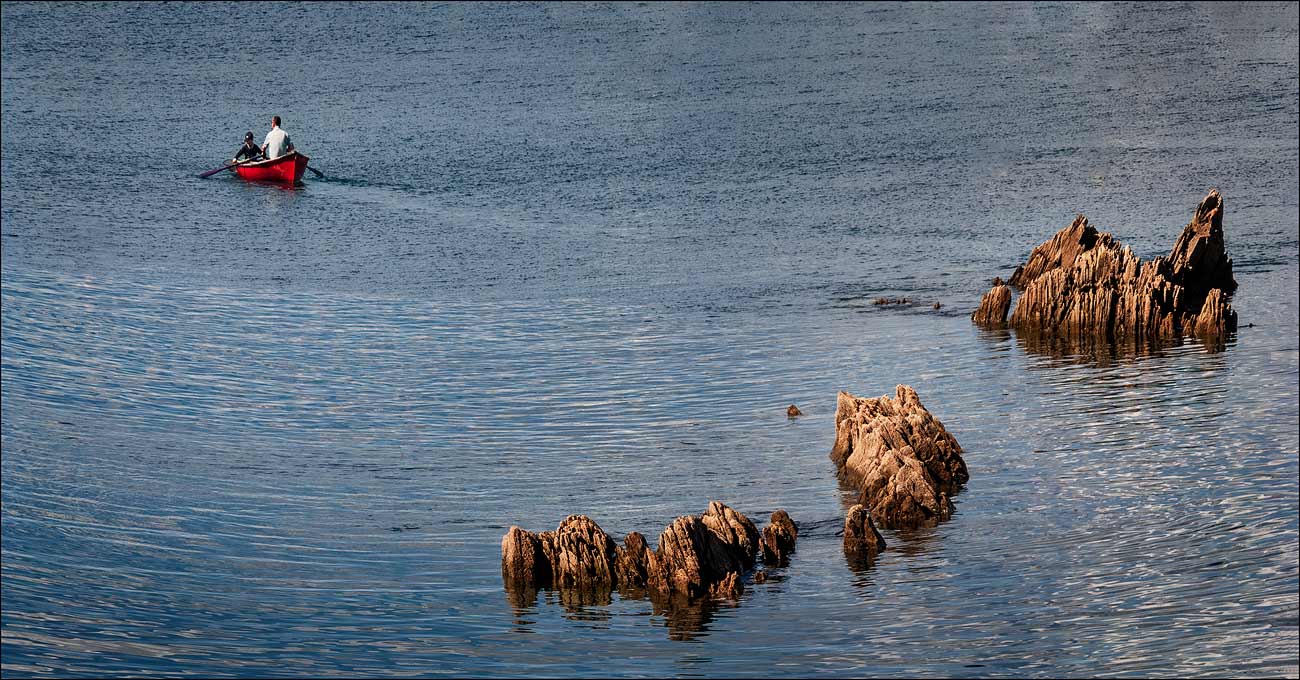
[685, 617]
[1102, 351]
[585, 604]
[523, 605]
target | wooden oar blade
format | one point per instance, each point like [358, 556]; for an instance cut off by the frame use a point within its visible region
[213, 172]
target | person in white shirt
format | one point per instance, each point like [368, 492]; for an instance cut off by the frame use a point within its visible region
[277, 141]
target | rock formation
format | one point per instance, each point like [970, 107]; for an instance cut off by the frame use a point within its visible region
[581, 555]
[631, 563]
[705, 555]
[861, 540]
[1199, 260]
[523, 562]
[995, 304]
[793, 411]
[1059, 251]
[1082, 284]
[899, 455]
[778, 538]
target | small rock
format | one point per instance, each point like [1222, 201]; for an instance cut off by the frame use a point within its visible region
[994, 305]
[862, 542]
[793, 411]
[523, 563]
[779, 538]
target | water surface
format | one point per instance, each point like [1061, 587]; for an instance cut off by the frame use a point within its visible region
[573, 259]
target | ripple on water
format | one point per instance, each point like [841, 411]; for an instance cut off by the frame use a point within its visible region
[191, 471]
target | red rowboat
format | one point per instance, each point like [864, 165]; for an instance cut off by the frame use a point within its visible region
[287, 169]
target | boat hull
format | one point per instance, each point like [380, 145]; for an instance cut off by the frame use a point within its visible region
[287, 169]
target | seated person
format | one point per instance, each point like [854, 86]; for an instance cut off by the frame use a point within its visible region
[249, 151]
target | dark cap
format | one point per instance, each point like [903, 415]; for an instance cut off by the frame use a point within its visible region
[248, 135]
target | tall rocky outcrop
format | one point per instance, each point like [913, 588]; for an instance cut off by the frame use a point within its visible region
[1082, 284]
[899, 455]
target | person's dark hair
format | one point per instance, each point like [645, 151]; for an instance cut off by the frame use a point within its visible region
[248, 135]
[275, 121]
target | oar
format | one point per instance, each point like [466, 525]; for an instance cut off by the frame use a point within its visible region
[213, 172]
[318, 172]
[226, 167]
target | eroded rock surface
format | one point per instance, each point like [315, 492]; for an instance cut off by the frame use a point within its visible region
[994, 305]
[523, 562]
[632, 562]
[899, 455]
[1082, 284]
[779, 538]
[704, 555]
[862, 542]
[1059, 251]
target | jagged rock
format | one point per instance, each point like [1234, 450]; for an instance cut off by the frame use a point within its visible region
[1216, 317]
[1081, 284]
[522, 560]
[862, 542]
[695, 554]
[994, 305]
[793, 411]
[577, 555]
[1059, 251]
[632, 562]
[583, 555]
[899, 455]
[706, 555]
[778, 538]
[734, 530]
[730, 587]
[1199, 261]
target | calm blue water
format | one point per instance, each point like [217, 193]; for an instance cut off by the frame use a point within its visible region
[579, 259]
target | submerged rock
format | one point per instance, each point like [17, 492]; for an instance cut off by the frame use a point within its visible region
[994, 305]
[899, 455]
[779, 538]
[1082, 284]
[862, 542]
